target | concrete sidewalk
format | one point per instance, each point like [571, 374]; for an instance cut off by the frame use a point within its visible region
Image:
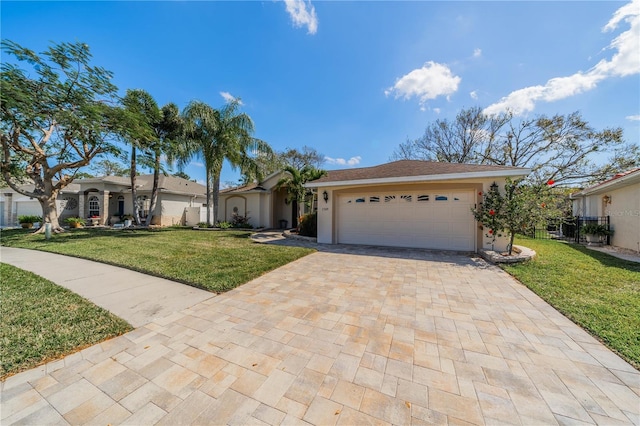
[137, 298]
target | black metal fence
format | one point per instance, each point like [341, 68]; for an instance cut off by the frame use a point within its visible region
[567, 228]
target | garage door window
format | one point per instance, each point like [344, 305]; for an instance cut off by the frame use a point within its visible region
[406, 198]
[441, 198]
[422, 198]
[360, 200]
[389, 198]
[374, 199]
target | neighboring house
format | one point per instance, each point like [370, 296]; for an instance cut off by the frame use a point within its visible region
[106, 199]
[618, 198]
[263, 203]
[408, 203]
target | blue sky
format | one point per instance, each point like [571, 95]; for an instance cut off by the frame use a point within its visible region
[355, 79]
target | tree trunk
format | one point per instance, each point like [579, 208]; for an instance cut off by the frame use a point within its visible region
[208, 179]
[134, 191]
[49, 213]
[511, 238]
[216, 192]
[154, 190]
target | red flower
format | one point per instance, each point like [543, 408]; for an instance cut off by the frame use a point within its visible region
[551, 182]
[490, 231]
[480, 193]
[492, 212]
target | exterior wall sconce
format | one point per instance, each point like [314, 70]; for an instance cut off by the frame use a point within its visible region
[494, 186]
[325, 196]
[607, 199]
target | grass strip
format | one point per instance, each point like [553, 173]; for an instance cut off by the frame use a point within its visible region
[599, 292]
[41, 321]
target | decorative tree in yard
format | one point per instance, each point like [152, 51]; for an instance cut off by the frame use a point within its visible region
[56, 117]
[215, 135]
[515, 211]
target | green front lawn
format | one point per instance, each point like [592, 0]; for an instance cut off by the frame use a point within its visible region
[214, 261]
[40, 321]
[599, 292]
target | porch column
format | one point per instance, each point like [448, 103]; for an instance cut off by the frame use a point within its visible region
[8, 201]
[104, 217]
[81, 201]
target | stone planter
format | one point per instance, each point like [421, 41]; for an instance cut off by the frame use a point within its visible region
[593, 239]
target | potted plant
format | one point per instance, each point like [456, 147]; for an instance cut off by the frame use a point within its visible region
[595, 232]
[27, 221]
[75, 222]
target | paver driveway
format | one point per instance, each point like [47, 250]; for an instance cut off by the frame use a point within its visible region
[347, 336]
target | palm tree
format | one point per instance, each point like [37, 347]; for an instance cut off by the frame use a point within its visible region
[217, 135]
[294, 181]
[156, 132]
[141, 110]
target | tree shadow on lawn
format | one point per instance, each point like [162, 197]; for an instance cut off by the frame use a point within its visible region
[606, 259]
[10, 237]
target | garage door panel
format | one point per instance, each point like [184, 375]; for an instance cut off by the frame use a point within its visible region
[436, 220]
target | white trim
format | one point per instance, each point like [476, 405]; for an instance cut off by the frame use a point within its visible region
[606, 185]
[422, 178]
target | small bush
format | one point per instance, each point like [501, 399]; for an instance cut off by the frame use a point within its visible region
[224, 225]
[29, 219]
[74, 221]
[309, 225]
[239, 221]
[202, 225]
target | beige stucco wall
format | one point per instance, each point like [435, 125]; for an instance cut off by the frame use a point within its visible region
[172, 208]
[327, 229]
[624, 214]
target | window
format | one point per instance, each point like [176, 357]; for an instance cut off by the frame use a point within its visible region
[422, 198]
[441, 198]
[407, 198]
[374, 199]
[94, 206]
[389, 198]
[360, 200]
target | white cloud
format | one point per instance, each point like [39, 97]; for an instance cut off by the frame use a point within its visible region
[633, 117]
[477, 53]
[228, 97]
[436, 110]
[625, 61]
[302, 13]
[196, 164]
[353, 161]
[474, 95]
[428, 82]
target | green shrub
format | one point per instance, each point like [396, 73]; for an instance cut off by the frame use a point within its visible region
[29, 219]
[239, 221]
[309, 225]
[75, 221]
[595, 229]
[224, 225]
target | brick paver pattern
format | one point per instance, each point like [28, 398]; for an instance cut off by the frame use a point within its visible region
[350, 336]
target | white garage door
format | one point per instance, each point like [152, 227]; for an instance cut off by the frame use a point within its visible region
[427, 219]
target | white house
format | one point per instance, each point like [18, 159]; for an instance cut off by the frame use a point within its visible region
[618, 198]
[107, 199]
[408, 203]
